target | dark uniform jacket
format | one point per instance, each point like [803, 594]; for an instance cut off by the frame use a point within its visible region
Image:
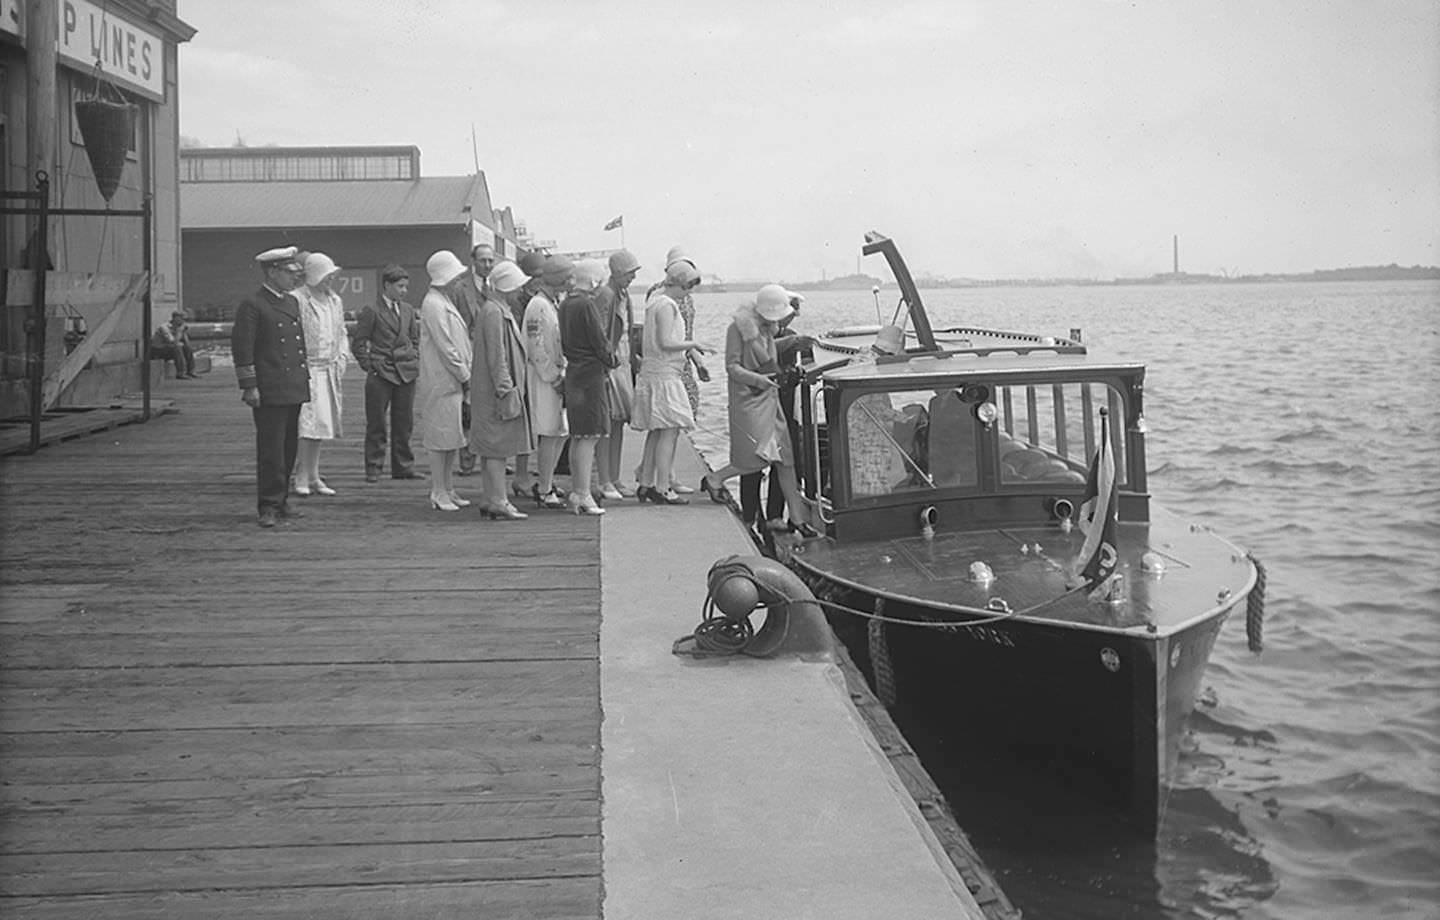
[388, 345]
[268, 344]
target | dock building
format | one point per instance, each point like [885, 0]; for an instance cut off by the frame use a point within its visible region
[364, 206]
[56, 55]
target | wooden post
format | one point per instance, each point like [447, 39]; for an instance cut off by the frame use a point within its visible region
[42, 31]
[42, 34]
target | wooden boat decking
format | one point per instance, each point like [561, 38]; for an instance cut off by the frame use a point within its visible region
[376, 711]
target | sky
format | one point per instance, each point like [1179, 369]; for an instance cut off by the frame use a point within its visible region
[988, 139]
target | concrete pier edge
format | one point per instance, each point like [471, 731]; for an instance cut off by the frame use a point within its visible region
[750, 787]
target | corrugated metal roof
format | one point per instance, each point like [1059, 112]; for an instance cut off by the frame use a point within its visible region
[434, 201]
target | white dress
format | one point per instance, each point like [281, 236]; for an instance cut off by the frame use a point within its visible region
[327, 350]
[660, 397]
[545, 367]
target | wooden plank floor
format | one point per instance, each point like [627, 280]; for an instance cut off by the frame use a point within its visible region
[378, 711]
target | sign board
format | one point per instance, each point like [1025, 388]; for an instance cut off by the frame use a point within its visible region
[479, 233]
[357, 287]
[601, 254]
[129, 55]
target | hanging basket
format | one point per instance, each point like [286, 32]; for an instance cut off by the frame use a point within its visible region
[107, 128]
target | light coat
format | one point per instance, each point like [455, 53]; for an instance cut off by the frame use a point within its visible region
[445, 356]
[758, 435]
[322, 313]
[499, 411]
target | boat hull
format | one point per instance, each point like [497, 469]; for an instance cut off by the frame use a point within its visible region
[1105, 708]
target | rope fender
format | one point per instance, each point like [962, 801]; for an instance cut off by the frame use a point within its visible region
[1255, 607]
[880, 663]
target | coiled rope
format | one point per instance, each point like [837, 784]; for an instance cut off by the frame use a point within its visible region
[1255, 607]
[718, 635]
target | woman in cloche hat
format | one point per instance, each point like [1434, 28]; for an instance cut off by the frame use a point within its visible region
[327, 353]
[445, 354]
[759, 437]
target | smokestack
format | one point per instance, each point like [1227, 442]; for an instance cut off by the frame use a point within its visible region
[1177, 253]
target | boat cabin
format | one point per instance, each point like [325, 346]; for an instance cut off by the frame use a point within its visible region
[996, 429]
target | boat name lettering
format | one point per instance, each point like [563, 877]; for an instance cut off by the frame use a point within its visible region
[990, 634]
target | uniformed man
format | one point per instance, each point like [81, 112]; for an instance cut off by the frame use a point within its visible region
[268, 344]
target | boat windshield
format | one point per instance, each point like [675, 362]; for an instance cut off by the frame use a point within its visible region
[1048, 433]
[923, 440]
[913, 440]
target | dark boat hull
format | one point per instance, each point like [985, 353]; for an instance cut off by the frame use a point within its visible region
[1106, 708]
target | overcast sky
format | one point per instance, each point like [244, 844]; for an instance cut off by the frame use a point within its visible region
[989, 139]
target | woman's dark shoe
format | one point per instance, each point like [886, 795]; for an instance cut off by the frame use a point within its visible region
[719, 495]
[645, 493]
[552, 499]
[779, 526]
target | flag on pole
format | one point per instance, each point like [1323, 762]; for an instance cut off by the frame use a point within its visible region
[617, 222]
[1099, 515]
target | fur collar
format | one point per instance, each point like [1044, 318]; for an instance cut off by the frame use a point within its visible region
[748, 323]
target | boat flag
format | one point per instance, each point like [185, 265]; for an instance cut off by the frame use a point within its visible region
[1098, 517]
[617, 222]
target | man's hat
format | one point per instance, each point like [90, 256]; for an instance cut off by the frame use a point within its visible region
[280, 257]
[890, 340]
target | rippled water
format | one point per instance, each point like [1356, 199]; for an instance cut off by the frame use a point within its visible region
[1300, 421]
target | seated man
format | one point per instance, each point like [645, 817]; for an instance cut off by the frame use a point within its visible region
[173, 341]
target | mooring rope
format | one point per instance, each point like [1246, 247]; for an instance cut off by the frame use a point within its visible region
[717, 634]
[1255, 607]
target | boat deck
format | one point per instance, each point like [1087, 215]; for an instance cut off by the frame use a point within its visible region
[1034, 567]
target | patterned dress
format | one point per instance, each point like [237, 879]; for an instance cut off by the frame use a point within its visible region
[686, 304]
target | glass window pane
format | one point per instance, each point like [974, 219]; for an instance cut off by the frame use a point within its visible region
[908, 441]
[1048, 433]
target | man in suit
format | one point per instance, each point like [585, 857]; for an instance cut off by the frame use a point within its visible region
[268, 344]
[386, 343]
[482, 259]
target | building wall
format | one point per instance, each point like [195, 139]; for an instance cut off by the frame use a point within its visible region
[219, 265]
[99, 244]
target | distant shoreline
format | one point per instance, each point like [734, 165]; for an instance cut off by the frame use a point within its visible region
[868, 282]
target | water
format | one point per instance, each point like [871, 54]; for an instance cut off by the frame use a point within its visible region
[1302, 421]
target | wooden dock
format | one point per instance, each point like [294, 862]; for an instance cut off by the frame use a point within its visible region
[377, 711]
